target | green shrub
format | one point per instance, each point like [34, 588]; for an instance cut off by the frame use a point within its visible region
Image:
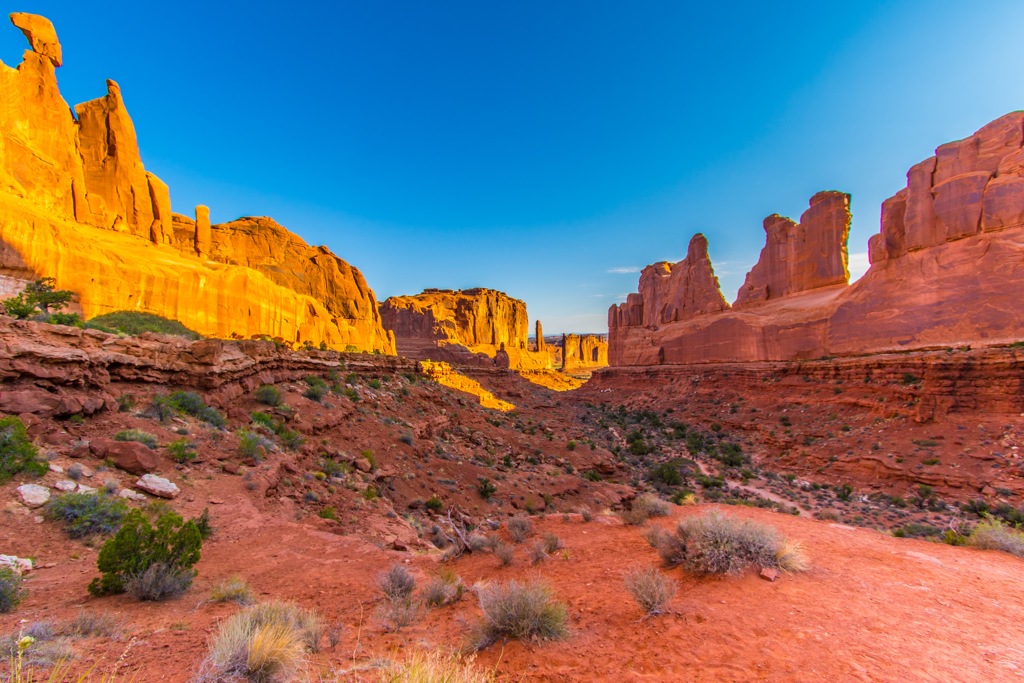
[991, 534]
[157, 557]
[135, 323]
[137, 435]
[251, 443]
[68, 319]
[17, 453]
[397, 583]
[486, 488]
[181, 450]
[85, 514]
[290, 439]
[11, 590]
[268, 395]
[434, 503]
[519, 611]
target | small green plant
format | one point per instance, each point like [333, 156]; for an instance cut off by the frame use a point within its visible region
[443, 589]
[86, 514]
[11, 590]
[135, 323]
[329, 512]
[486, 488]
[434, 503]
[181, 450]
[268, 395]
[316, 388]
[151, 561]
[17, 453]
[137, 435]
[520, 612]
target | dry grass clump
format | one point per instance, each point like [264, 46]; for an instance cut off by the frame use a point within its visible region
[505, 553]
[717, 544]
[518, 611]
[265, 643]
[654, 506]
[444, 589]
[159, 581]
[519, 528]
[478, 541]
[233, 589]
[397, 583]
[651, 590]
[94, 624]
[434, 667]
[992, 534]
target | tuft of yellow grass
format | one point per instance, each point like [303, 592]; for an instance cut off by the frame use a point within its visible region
[790, 556]
[275, 652]
[434, 667]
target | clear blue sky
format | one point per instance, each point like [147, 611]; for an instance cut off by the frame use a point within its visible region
[539, 148]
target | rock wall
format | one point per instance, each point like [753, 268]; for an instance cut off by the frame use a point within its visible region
[946, 270]
[586, 351]
[77, 204]
[480, 321]
[798, 257]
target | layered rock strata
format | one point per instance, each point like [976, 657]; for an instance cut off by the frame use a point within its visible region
[946, 269]
[77, 204]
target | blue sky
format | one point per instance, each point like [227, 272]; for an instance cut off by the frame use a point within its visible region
[549, 150]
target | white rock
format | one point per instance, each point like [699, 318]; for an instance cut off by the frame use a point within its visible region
[157, 486]
[131, 495]
[65, 485]
[56, 468]
[19, 564]
[82, 488]
[33, 495]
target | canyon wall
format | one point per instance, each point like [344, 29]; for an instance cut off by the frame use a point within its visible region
[77, 204]
[472, 327]
[946, 270]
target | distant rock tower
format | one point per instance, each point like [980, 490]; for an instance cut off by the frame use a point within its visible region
[540, 337]
[204, 236]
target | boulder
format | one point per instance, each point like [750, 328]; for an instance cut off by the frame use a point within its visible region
[33, 495]
[157, 486]
[65, 485]
[22, 565]
[133, 457]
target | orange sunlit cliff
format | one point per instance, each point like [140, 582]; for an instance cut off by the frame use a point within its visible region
[76, 204]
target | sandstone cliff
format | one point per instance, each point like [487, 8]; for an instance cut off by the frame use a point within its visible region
[444, 324]
[584, 351]
[77, 204]
[946, 269]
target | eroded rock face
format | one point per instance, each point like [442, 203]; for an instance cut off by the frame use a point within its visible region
[483, 321]
[947, 268]
[582, 351]
[76, 204]
[798, 257]
[669, 293]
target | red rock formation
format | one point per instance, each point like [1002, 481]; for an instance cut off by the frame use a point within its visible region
[586, 351]
[946, 269]
[669, 293]
[481, 321]
[540, 336]
[798, 257]
[77, 204]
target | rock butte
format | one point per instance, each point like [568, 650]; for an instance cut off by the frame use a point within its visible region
[482, 327]
[947, 269]
[76, 204]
